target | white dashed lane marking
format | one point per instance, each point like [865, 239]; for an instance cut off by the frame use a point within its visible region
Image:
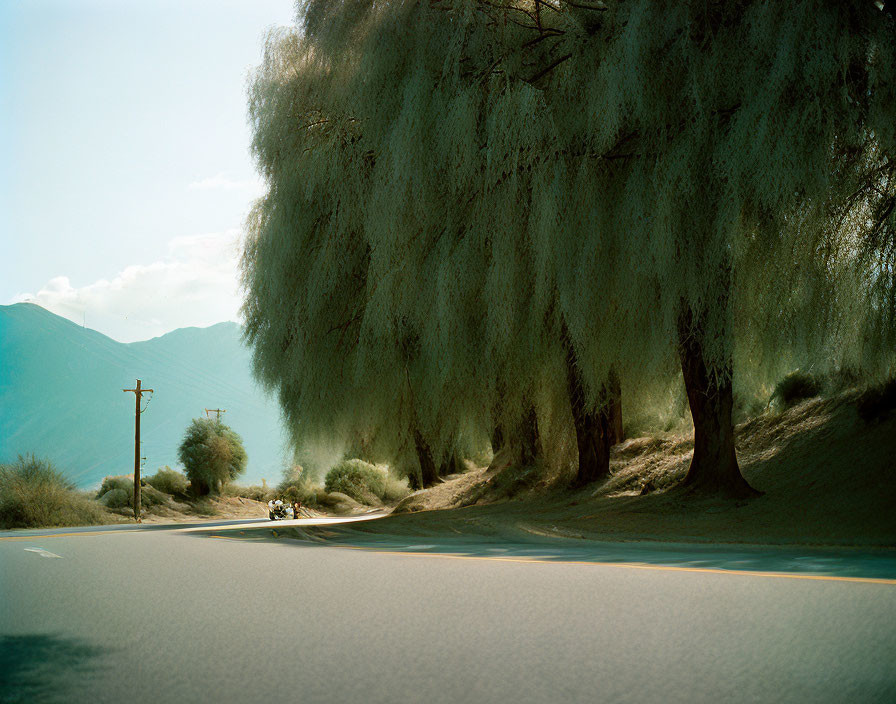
[42, 552]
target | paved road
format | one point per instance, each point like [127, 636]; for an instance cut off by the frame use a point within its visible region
[226, 613]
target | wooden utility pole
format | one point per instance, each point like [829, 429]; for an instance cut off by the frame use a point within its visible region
[216, 411]
[138, 392]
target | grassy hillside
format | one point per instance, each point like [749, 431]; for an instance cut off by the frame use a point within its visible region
[61, 395]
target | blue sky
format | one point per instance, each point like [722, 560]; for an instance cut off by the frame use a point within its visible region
[124, 167]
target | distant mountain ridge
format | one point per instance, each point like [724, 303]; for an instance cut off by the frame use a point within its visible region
[61, 395]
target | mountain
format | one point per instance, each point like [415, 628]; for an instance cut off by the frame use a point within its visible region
[61, 395]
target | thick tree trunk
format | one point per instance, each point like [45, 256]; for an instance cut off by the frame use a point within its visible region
[714, 466]
[428, 472]
[517, 446]
[593, 428]
[497, 439]
[528, 439]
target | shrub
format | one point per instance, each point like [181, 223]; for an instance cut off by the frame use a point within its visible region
[319, 496]
[34, 493]
[212, 455]
[876, 402]
[122, 482]
[364, 482]
[339, 502]
[357, 479]
[305, 493]
[795, 387]
[396, 489]
[169, 481]
[118, 492]
[117, 498]
[297, 486]
[254, 492]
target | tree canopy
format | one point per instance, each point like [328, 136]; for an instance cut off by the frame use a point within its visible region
[212, 455]
[476, 209]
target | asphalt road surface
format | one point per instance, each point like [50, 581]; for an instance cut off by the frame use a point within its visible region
[229, 613]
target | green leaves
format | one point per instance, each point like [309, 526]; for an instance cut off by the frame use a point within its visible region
[433, 218]
[212, 455]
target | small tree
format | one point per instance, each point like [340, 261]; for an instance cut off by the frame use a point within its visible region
[212, 455]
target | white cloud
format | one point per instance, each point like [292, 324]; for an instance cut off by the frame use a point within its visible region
[222, 182]
[196, 284]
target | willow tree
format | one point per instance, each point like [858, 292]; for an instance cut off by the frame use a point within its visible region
[442, 322]
[480, 209]
[713, 129]
[343, 364]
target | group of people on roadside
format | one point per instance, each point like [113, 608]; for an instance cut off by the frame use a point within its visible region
[274, 505]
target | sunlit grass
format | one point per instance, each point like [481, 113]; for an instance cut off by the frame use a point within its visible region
[33, 493]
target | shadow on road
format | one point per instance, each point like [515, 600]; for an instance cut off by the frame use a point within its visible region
[788, 560]
[45, 668]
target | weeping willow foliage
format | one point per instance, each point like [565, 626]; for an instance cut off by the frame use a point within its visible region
[455, 185]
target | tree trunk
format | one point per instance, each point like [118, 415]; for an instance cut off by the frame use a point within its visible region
[593, 428]
[428, 473]
[497, 439]
[528, 438]
[714, 466]
[198, 487]
[452, 465]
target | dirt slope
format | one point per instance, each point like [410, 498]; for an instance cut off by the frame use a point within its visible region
[829, 479]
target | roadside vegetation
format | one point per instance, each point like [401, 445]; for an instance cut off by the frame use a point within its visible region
[118, 492]
[365, 483]
[350, 485]
[212, 455]
[169, 481]
[795, 387]
[825, 470]
[33, 493]
[828, 457]
[530, 231]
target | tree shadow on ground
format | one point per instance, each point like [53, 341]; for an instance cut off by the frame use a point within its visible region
[844, 562]
[44, 667]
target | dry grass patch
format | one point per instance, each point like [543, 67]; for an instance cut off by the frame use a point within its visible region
[34, 494]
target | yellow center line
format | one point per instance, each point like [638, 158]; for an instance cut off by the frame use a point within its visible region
[630, 565]
[522, 560]
[192, 528]
[70, 535]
